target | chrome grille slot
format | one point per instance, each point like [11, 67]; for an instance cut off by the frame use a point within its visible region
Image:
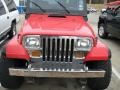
[67, 50]
[48, 49]
[71, 50]
[62, 50]
[57, 49]
[53, 49]
[44, 48]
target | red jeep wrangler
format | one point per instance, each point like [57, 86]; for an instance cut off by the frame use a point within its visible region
[56, 42]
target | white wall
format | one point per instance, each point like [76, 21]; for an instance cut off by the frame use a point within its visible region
[17, 2]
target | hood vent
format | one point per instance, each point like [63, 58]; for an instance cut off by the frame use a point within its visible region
[57, 16]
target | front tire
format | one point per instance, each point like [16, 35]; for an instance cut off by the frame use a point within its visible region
[102, 31]
[7, 81]
[100, 83]
[13, 31]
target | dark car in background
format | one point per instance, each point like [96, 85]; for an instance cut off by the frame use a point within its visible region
[109, 21]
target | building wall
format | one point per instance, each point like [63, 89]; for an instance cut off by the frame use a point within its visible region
[99, 1]
[95, 1]
[112, 0]
[88, 1]
[20, 2]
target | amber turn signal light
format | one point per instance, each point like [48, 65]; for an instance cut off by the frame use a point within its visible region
[36, 53]
[79, 55]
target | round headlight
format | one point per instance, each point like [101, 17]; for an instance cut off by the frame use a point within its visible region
[84, 44]
[32, 42]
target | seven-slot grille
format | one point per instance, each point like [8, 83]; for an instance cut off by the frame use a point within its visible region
[57, 49]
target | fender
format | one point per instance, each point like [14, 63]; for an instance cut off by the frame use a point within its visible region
[98, 53]
[14, 50]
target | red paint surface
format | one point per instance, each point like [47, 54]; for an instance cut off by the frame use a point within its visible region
[99, 52]
[16, 51]
[54, 26]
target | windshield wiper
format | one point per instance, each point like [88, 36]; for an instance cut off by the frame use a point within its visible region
[38, 6]
[63, 6]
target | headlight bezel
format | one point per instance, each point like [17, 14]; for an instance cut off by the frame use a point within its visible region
[31, 36]
[91, 43]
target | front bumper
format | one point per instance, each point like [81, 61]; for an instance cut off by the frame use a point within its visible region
[56, 73]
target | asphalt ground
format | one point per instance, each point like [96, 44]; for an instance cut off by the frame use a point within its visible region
[72, 84]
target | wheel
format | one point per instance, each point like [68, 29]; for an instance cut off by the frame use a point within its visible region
[100, 83]
[13, 31]
[7, 81]
[102, 31]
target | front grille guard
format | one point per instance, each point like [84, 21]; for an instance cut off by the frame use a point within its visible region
[57, 53]
[59, 49]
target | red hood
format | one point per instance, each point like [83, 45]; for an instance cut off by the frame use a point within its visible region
[44, 25]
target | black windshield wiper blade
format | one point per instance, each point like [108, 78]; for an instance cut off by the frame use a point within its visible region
[63, 6]
[38, 6]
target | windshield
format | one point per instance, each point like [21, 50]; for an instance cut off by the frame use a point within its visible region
[57, 6]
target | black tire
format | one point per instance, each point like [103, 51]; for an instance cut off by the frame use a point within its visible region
[7, 81]
[102, 31]
[13, 30]
[100, 83]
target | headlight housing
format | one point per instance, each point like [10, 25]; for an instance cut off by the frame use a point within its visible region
[31, 42]
[81, 43]
[84, 44]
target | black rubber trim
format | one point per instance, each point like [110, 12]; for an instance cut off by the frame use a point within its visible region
[3, 51]
[109, 53]
[27, 16]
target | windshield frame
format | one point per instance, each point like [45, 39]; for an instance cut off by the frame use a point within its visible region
[80, 13]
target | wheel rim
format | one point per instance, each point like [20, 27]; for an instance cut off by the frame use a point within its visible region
[14, 30]
[101, 31]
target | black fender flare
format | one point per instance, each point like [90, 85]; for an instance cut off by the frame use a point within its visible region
[109, 54]
[3, 52]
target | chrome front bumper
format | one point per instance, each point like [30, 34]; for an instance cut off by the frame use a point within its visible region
[56, 73]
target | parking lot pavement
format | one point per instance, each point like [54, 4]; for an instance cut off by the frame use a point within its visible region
[62, 84]
[72, 84]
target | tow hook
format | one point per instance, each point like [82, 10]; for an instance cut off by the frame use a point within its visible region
[29, 67]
